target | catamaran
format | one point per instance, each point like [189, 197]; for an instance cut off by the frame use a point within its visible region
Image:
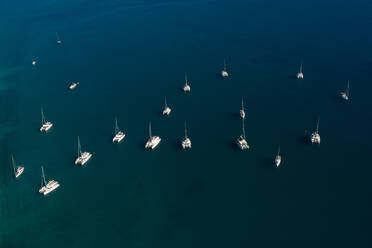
[18, 170]
[186, 142]
[46, 188]
[224, 71]
[242, 112]
[345, 95]
[73, 85]
[58, 39]
[315, 137]
[300, 74]
[45, 125]
[241, 142]
[278, 158]
[153, 141]
[187, 87]
[166, 110]
[119, 135]
[83, 157]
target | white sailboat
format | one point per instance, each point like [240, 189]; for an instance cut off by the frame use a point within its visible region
[153, 141]
[278, 158]
[315, 137]
[224, 73]
[300, 74]
[45, 125]
[73, 85]
[242, 112]
[241, 142]
[166, 110]
[186, 142]
[119, 135]
[187, 87]
[46, 188]
[83, 157]
[59, 42]
[18, 170]
[345, 95]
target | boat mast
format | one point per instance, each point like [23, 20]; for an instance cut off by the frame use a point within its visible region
[57, 36]
[224, 64]
[347, 88]
[43, 181]
[242, 105]
[79, 147]
[317, 126]
[165, 101]
[13, 163]
[278, 151]
[243, 128]
[150, 136]
[185, 79]
[185, 131]
[301, 66]
[42, 117]
[116, 126]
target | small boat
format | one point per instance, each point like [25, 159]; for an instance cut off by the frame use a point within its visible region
[83, 157]
[153, 141]
[33, 62]
[18, 170]
[166, 110]
[345, 95]
[187, 87]
[73, 85]
[315, 137]
[224, 73]
[45, 125]
[46, 188]
[300, 74]
[242, 112]
[278, 158]
[186, 142]
[241, 142]
[119, 135]
[59, 42]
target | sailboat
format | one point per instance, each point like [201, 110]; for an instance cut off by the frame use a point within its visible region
[242, 112]
[18, 170]
[315, 137]
[224, 71]
[119, 135]
[45, 125]
[153, 141]
[345, 95]
[278, 158]
[186, 142]
[83, 157]
[166, 110]
[73, 85]
[46, 188]
[58, 39]
[241, 142]
[187, 87]
[300, 74]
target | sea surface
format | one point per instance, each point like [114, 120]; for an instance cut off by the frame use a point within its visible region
[128, 55]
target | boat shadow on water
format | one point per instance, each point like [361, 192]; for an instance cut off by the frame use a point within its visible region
[303, 139]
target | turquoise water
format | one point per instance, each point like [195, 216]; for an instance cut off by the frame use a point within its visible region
[128, 55]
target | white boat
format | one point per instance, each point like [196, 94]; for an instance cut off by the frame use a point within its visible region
[83, 157]
[18, 170]
[315, 137]
[300, 74]
[224, 73]
[242, 112]
[278, 158]
[58, 39]
[45, 125]
[46, 188]
[345, 95]
[73, 85]
[33, 62]
[119, 135]
[153, 141]
[241, 142]
[166, 110]
[187, 87]
[186, 142]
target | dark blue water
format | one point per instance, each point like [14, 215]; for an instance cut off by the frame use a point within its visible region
[127, 56]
